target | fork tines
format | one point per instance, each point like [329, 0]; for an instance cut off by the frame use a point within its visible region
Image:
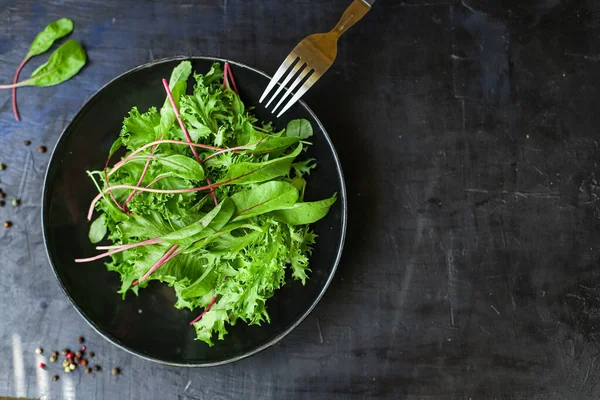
[294, 70]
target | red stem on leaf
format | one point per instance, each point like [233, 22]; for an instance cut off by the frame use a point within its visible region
[118, 250]
[212, 192]
[163, 260]
[121, 246]
[165, 191]
[207, 309]
[227, 76]
[237, 148]
[152, 183]
[129, 157]
[181, 124]
[112, 196]
[14, 89]
[144, 189]
[187, 135]
[143, 173]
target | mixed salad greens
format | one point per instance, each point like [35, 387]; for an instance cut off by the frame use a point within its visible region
[208, 200]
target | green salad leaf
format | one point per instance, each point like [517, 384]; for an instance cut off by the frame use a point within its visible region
[224, 229]
[51, 33]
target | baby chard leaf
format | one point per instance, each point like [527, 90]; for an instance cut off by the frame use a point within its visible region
[300, 128]
[63, 64]
[98, 229]
[248, 172]
[210, 223]
[177, 86]
[264, 198]
[51, 33]
[183, 166]
[305, 213]
[42, 42]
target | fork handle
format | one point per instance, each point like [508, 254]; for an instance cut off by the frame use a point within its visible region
[352, 15]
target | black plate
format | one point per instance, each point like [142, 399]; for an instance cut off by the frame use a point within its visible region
[149, 326]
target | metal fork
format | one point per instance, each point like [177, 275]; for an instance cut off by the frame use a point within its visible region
[311, 58]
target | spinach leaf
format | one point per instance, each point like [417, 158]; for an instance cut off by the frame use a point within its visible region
[178, 86]
[42, 42]
[264, 198]
[183, 166]
[305, 213]
[249, 172]
[98, 229]
[300, 128]
[51, 33]
[210, 223]
[63, 64]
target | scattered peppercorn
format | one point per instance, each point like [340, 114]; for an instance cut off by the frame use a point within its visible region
[115, 371]
[80, 339]
[88, 370]
[8, 224]
[65, 364]
[64, 352]
[83, 362]
[42, 149]
[70, 355]
[39, 350]
[54, 354]
[76, 359]
[2, 194]
[98, 368]
[16, 202]
[26, 142]
[72, 366]
[91, 354]
[67, 370]
[55, 378]
[78, 354]
[2, 166]
[52, 359]
[83, 348]
[2, 203]
[42, 365]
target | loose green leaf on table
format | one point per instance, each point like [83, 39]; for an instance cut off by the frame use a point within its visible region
[42, 42]
[63, 64]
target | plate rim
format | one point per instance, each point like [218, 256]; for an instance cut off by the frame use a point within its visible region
[115, 341]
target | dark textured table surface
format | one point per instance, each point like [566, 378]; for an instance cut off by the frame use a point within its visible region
[469, 136]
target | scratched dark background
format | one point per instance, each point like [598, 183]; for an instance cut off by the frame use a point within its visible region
[469, 136]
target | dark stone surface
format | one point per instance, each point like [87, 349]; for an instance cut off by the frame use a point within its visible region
[469, 136]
